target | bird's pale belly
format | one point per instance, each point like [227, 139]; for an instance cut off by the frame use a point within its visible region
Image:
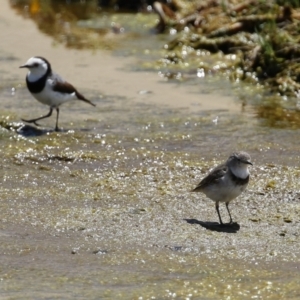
[52, 98]
[224, 192]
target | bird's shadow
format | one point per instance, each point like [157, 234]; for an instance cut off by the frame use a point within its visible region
[32, 131]
[214, 226]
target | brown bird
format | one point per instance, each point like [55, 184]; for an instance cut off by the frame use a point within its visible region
[226, 181]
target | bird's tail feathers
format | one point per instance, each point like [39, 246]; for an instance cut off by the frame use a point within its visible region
[82, 98]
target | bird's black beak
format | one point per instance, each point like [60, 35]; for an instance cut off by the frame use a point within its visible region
[23, 66]
[247, 162]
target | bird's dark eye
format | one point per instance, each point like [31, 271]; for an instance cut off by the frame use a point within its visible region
[35, 65]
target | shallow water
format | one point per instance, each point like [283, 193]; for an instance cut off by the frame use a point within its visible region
[102, 209]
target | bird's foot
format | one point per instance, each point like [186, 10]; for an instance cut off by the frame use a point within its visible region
[31, 121]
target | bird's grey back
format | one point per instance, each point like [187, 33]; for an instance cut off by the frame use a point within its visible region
[213, 177]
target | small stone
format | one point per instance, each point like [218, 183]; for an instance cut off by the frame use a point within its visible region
[99, 251]
[254, 220]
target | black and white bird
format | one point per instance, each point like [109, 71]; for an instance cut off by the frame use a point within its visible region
[226, 181]
[48, 87]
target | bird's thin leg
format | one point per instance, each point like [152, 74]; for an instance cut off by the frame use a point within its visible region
[217, 208]
[227, 203]
[37, 119]
[57, 114]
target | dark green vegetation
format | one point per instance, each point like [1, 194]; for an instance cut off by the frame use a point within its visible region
[263, 36]
[254, 41]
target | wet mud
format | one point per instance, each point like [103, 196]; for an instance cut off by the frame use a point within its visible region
[103, 209]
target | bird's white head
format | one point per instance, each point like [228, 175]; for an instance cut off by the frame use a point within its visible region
[38, 67]
[238, 164]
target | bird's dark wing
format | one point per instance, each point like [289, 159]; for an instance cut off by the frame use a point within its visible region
[213, 177]
[63, 87]
[67, 88]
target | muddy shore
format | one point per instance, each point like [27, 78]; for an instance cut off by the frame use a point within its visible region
[102, 210]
